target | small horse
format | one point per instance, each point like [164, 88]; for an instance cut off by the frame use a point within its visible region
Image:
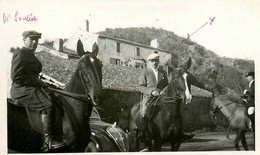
[237, 118]
[71, 124]
[165, 123]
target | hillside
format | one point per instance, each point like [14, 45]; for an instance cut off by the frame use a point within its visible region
[218, 74]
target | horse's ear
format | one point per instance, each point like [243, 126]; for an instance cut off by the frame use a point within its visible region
[187, 64]
[95, 49]
[80, 48]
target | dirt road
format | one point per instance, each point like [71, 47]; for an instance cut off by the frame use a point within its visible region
[213, 141]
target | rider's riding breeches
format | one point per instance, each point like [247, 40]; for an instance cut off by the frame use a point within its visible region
[36, 105]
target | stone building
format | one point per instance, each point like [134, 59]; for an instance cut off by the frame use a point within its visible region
[115, 51]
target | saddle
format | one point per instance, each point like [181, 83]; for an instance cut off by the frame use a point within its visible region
[14, 102]
[151, 104]
[151, 110]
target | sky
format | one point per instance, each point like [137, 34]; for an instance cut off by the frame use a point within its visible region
[233, 33]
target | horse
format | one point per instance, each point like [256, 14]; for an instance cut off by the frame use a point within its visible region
[237, 118]
[72, 109]
[165, 123]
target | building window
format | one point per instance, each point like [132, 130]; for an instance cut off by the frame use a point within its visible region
[118, 62]
[118, 47]
[115, 61]
[137, 51]
[138, 65]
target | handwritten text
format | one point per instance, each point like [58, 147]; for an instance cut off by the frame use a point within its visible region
[19, 18]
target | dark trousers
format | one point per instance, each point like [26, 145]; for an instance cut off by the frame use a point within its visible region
[252, 118]
[36, 104]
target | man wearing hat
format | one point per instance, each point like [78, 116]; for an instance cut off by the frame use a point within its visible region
[151, 82]
[27, 88]
[251, 102]
[148, 81]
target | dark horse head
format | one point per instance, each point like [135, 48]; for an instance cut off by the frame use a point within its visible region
[87, 79]
[179, 85]
[71, 124]
[165, 122]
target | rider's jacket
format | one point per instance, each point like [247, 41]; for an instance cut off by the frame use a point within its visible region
[251, 101]
[24, 73]
[148, 82]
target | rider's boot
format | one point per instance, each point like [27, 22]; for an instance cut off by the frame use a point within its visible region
[48, 141]
[142, 128]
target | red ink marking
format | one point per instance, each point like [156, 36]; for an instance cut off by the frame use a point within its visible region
[199, 28]
[15, 16]
[28, 18]
[188, 37]
[5, 18]
[211, 20]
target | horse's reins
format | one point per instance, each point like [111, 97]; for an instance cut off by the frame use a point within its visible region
[70, 94]
[219, 108]
[76, 96]
[169, 100]
[213, 120]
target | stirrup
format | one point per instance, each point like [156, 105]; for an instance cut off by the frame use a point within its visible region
[52, 145]
[49, 143]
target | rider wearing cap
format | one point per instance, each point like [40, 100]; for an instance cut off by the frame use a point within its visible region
[27, 89]
[149, 79]
[148, 85]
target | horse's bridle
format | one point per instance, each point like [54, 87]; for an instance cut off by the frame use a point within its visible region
[84, 85]
[76, 96]
[219, 108]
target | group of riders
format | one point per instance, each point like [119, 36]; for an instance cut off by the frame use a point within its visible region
[29, 90]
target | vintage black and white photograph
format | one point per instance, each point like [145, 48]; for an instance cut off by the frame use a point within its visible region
[130, 76]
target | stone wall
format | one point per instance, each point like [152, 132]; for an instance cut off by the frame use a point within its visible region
[195, 115]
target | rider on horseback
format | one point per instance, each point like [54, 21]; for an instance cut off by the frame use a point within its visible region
[251, 101]
[151, 82]
[27, 89]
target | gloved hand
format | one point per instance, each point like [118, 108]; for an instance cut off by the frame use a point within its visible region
[156, 92]
[211, 113]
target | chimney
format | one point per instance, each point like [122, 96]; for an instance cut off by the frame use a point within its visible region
[87, 25]
[154, 43]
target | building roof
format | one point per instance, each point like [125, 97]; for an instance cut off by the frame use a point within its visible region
[121, 78]
[87, 39]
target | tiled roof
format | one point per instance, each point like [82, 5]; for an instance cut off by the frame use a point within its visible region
[121, 78]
